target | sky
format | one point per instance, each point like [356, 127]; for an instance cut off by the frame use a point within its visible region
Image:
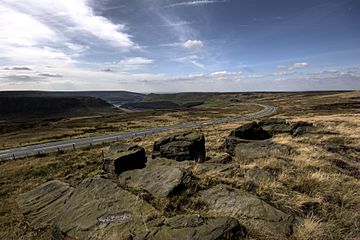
[180, 45]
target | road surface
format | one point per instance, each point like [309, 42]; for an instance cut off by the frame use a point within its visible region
[38, 149]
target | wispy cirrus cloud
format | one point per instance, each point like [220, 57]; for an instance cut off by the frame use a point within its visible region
[298, 65]
[48, 31]
[17, 68]
[196, 3]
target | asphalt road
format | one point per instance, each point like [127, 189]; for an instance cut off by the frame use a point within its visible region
[38, 149]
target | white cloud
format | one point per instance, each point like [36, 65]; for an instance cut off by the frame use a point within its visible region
[46, 32]
[195, 3]
[193, 59]
[136, 61]
[190, 44]
[280, 73]
[75, 16]
[223, 74]
[298, 65]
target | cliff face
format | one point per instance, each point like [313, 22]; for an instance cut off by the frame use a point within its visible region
[49, 107]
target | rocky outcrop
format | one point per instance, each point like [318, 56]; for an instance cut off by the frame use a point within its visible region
[92, 210]
[160, 178]
[123, 157]
[259, 217]
[184, 146]
[195, 227]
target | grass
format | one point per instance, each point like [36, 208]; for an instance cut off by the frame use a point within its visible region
[324, 197]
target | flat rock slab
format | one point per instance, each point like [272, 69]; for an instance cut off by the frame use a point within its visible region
[161, 177]
[89, 211]
[194, 227]
[246, 150]
[260, 216]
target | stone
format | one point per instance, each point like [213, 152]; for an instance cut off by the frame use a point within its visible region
[160, 178]
[246, 133]
[258, 175]
[92, 210]
[250, 131]
[183, 146]
[301, 128]
[247, 151]
[223, 159]
[261, 218]
[275, 126]
[124, 157]
[194, 227]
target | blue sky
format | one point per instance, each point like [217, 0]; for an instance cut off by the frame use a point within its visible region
[180, 45]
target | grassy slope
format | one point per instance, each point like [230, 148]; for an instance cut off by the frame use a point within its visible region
[309, 176]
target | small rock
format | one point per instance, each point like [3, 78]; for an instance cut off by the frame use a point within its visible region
[184, 146]
[124, 157]
[301, 128]
[223, 159]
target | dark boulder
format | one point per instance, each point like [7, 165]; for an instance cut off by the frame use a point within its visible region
[124, 157]
[275, 125]
[250, 131]
[183, 146]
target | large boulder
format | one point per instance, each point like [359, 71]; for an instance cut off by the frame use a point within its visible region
[250, 131]
[275, 125]
[160, 178]
[259, 217]
[246, 133]
[246, 151]
[124, 157]
[195, 227]
[92, 210]
[183, 146]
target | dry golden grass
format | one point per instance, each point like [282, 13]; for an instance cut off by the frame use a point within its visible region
[309, 176]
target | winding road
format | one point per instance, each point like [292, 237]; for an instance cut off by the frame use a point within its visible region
[32, 150]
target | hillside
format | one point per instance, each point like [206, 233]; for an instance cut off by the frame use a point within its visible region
[112, 97]
[24, 107]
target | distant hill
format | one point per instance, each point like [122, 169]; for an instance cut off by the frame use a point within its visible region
[25, 107]
[116, 98]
